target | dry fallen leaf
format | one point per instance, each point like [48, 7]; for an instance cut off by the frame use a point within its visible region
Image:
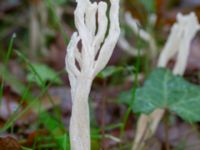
[9, 143]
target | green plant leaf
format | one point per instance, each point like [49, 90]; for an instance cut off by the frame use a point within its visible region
[60, 2]
[113, 70]
[11, 80]
[109, 71]
[164, 90]
[126, 97]
[41, 73]
[25, 148]
[149, 5]
[56, 129]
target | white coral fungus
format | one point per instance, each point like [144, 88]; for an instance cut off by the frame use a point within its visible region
[98, 39]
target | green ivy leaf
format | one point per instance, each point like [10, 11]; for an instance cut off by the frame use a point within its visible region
[164, 90]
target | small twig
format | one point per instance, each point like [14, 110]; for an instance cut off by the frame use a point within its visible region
[103, 113]
[166, 125]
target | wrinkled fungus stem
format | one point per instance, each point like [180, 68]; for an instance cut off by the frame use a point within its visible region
[80, 122]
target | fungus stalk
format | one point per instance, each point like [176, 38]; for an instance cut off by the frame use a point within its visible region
[85, 62]
[178, 43]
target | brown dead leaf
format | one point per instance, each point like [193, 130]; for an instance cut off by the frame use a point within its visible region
[32, 136]
[9, 143]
